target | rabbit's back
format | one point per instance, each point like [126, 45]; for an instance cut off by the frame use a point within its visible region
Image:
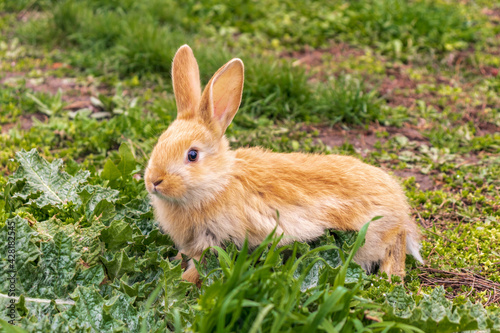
[342, 187]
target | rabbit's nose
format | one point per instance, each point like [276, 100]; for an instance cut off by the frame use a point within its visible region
[156, 183]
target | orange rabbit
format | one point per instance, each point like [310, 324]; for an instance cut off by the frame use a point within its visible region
[204, 193]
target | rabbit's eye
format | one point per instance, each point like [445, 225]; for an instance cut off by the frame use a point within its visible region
[192, 155]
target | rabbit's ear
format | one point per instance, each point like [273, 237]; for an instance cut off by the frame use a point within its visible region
[222, 96]
[186, 81]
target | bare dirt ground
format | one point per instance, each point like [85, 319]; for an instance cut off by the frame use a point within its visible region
[76, 94]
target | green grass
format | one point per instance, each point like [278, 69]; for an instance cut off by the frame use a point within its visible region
[397, 27]
[409, 27]
[141, 37]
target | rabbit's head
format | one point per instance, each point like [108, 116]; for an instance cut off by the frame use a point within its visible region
[190, 162]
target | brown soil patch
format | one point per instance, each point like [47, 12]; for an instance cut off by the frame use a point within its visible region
[25, 122]
[361, 138]
[398, 89]
[424, 182]
[487, 128]
[493, 14]
[76, 94]
[51, 85]
[77, 105]
[72, 90]
[481, 118]
[31, 15]
[489, 71]
[409, 131]
[312, 57]
[464, 60]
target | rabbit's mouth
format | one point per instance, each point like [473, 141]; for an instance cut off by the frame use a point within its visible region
[169, 199]
[168, 191]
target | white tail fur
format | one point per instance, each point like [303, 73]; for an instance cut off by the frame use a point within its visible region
[413, 245]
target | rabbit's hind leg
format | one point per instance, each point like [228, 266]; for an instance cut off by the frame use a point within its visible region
[395, 256]
[191, 274]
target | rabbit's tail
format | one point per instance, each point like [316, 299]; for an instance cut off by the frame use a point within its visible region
[413, 242]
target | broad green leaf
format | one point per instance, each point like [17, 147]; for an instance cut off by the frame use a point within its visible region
[44, 183]
[72, 167]
[435, 313]
[7, 203]
[143, 280]
[117, 235]
[157, 238]
[175, 288]
[402, 303]
[8, 328]
[91, 276]
[85, 240]
[330, 256]
[60, 262]
[34, 313]
[9, 309]
[127, 163]
[209, 268]
[110, 171]
[19, 251]
[47, 229]
[119, 265]
[120, 308]
[98, 201]
[52, 276]
[21, 306]
[152, 258]
[494, 322]
[104, 211]
[89, 243]
[354, 274]
[138, 287]
[138, 212]
[88, 313]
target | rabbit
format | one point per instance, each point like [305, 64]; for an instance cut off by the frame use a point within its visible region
[204, 193]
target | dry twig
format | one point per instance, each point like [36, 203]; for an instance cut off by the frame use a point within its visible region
[456, 280]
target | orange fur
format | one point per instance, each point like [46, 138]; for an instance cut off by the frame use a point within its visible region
[230, 195]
